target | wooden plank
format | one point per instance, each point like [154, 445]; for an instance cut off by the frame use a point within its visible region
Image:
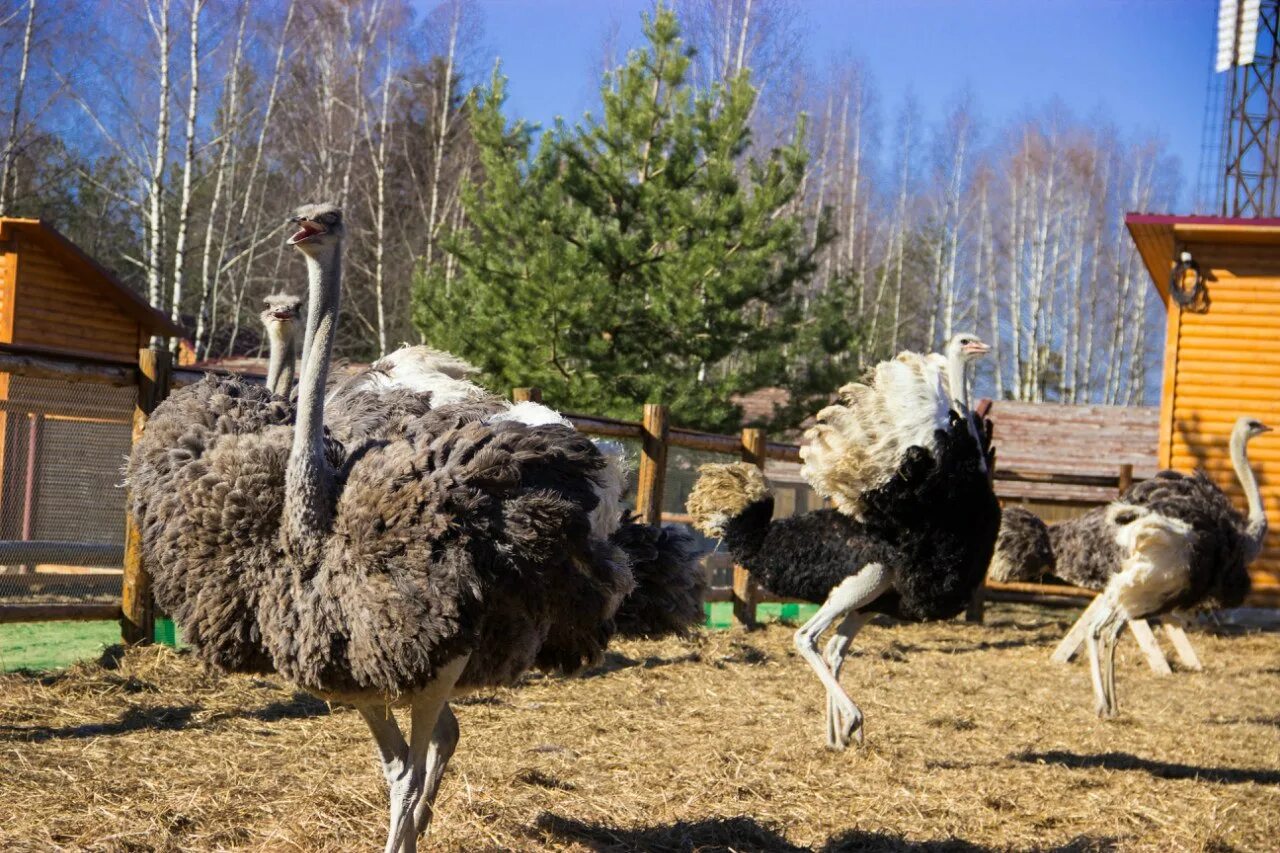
[653, 464]
[64, 369]
[706, 441]
[1075, 592]
[10, 613]
[606, 427]
[1182, 645]
[1150, 647]
[137, 623]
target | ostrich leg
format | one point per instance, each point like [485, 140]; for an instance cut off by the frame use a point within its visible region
[430, 747]
[444, 739]
[1103, 633]
[837, 646]
[394, 754]
[854, 592]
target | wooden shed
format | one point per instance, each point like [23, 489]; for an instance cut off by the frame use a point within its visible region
[62, 443]
[1222, 354]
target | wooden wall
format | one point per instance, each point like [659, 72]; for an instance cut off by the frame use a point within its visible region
[1042, 438]
[54, 308]
[1223, 363]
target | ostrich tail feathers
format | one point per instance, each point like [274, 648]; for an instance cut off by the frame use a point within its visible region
[670, 584]
[723, 492]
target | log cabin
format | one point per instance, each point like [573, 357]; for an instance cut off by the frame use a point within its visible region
[62, 443]
[1221, 353]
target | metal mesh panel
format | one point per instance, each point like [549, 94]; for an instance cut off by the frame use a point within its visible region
[62, 509]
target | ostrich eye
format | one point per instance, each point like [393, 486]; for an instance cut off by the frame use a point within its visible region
[329, 218]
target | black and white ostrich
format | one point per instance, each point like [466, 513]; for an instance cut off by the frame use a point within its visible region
[1171, 543]
[913, 543]
[448, 555]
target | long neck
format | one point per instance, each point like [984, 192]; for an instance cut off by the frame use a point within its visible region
[959, 383]
[284, 352]
[308, 480]
[1256, 529]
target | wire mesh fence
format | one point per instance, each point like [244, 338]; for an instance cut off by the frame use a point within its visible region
[62, 446]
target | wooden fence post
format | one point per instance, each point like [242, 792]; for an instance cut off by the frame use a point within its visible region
[527, 395]
[1126, 478]
[746, 592]
[653, 464]
[137, 624]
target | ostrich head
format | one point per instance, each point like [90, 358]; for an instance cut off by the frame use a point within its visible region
[319, 228]
[966, 347]
[280, 313]
[1249, 427]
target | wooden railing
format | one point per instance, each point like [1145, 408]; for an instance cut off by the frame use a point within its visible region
[154, 377]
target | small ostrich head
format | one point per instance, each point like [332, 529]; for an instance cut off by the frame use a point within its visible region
[281, 311]
[319, 228]
[967, 347]
[1250, 427]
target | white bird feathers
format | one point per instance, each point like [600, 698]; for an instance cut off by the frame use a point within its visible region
[859, 443]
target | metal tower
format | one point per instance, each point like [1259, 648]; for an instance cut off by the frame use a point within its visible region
[1248, 51]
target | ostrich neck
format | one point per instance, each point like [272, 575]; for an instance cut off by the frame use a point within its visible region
[308, 480]
[284, 352]
[957, 380]
[1256, 529]
[960, 401]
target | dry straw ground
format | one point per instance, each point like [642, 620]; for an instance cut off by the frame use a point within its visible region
[974, 742]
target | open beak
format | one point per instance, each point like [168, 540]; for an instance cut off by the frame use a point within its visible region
[976, 348]
[307, 229]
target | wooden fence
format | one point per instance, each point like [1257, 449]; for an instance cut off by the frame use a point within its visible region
[154, 376]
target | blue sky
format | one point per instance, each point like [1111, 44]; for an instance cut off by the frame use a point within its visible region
[1142, 64]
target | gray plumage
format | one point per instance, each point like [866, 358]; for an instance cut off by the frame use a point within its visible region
[408, 553]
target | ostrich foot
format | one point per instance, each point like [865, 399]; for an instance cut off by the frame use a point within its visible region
[844, 723]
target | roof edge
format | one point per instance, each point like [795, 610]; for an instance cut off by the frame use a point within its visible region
[1133, 218]
[155, 321]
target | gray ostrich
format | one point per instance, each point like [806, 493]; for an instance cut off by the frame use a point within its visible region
[280, 319]
[1171, 543]
[399, 572]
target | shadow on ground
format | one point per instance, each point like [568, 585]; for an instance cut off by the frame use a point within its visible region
[1158, 769]
[162, 718]
[746, 835]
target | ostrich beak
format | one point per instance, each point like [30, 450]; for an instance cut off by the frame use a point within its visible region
[306, 230]
[976, 348]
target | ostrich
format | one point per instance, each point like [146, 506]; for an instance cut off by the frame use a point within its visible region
[1171, 543]
[918, 545]
[859, 444]
[280, 318]
[395, 573]
[1182, 545]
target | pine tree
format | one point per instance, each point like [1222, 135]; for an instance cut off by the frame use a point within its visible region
[640, 256]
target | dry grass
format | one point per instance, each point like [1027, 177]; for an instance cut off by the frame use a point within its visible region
[974, 742]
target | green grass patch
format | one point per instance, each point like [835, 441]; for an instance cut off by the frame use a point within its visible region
[57, 645]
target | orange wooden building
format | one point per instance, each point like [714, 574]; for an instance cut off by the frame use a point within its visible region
[62, 443]
[1222, 353]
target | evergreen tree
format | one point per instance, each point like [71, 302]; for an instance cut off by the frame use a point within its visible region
[641, 256]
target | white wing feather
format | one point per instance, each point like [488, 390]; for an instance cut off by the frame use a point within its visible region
[859, 443]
